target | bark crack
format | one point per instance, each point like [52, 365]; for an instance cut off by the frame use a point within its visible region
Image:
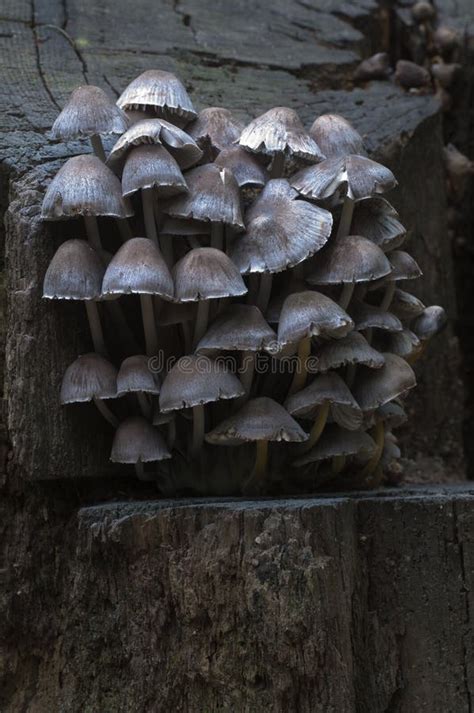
[36, 41]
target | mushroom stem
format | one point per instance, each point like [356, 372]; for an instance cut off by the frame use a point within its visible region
[171, 439]
[345, 221]
[144, 404]
[198, 429]
[202, 319]
[388, 295]
[106, 412]
[346, 295]
[261, 460]
[338, 463]
[317, 428]
[149, 214]
[124, 229]
[264, 291]
[121, 325]
[217, 236]
[350, 374]
[166, 245]
[301, 373]
[98, 147]
[253, 285]
[278, 165]
[187, 337]
[93, 235]
[149, 326]
[95, 327]
[139, 470]
[246, 373]
[378, 434]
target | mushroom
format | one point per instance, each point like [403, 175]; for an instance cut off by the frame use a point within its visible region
[430, 322]
[410, 75]
[336, 136]
[281, 233]
[337, 444]
[139, 268]
[404, 267]
[244, 166]
[459, 169]
[423, 11]
[350, 350]
[375, 67]
[204, 274]
[445, 74]
[136, 377]
[405, 344]
[91, 378]
[193, 382]
[260, 420]
[446, 40]
[160, 91]
[377, 220]
[406, 306]
[214, 130]
[368, 316]
[89, 113]
[136, 441]
[279, 134]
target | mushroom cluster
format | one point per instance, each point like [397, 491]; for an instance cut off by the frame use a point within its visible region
[251, 283]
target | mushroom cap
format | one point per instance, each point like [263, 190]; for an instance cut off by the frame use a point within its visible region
[135, 374]
[367, 316]
[404, 266]
[75, 273]
[214, 129]
[281, 231]
[159, 90]
[423, 11]
[89, 111]
[375, 67]
[311, 314]
[352, 349]
[181, 227]
[376, 387]
[411, 75]
[239, 328]
[326, 387]
[261, 419]
[335, 136]
[197, 380]
[213, 196]
[392, 414]
[337, 441]
[377, 220]
[137, 441]
[84, 185]
[246, 169]
[138, 267]
[206, 274]
[405, 343]
[275, 305]
[157, 131]
[89, 377]
[406, 306]
[280, 130]
[152, 167]
[431, 321]
[350, 259]
[360, 176]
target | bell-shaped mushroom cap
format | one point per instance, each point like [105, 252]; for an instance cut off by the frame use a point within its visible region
[348, 260]
[84, 186]
[197, 380]
[261, 419]
[89, 111]
[206, 274]
[405, 344]
[361, 178]
[157, 131]
[335, 136]
[374, 388]
[376, 219]
[353, 349]
[152, 167]
[159, 90]
[392, 414]
[367, 316]
[89, 377]
[135, 374]
[213, 196]
[406, 306]
[404, 266]
[214, 129]
[137, 441]
[326, 388]
[280, 130]
[74, 273]
[375, 67]
[138, 267]
[336, 441]
[239, 328]
[432, 321]
[281, 231]
[311, 314]
[246, 169]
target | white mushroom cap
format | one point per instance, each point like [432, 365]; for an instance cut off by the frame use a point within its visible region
[353, 349]
[335, 136]
[138, 267]
[336, 441]
[89, 377]
[205, 274]
[137, 441]
[74, 273]
[89, 111]
[311, 314]
[239, 328]
[152, 167]
[245, 167]
[324, 388]
[350, 259]
[374, 388]
[377, 220]
[135, 375]
[159, 90]
[214, 129]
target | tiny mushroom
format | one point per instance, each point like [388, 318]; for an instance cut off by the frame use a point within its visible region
[410, 75]
[376, 219]
[336, 136]
[375, 67]
[406, 306]
[214, 130]
[348, 351]
[136, 376]
[337, 444]
[91, 378]
[136, 441]
[245, 167]
[159, 91]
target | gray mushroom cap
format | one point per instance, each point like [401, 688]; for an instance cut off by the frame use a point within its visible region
[404, 266]
[350, 259]
[135, 375]
[280, 130]
[335, 136]
[406, 306]
[213, 197]
[324, 388]
[84, 185]
[138, 267]
[89, 111]
[359, 176]
[377, 220]
[89, 377]
[152, 167]
[215, 129]
[336, 441]
[374, 388]
[392, 414]
[311, 314]
[281, 231]
[197, 380]
[159, 90]
[261, 419]
[239, 328]
[158, 132]
[367, 316]
[352, 349]
[75, 273]
[246, 169]
[405, 343]
[204, 274]
[432, 321]
[137, 441]
[375, 67]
